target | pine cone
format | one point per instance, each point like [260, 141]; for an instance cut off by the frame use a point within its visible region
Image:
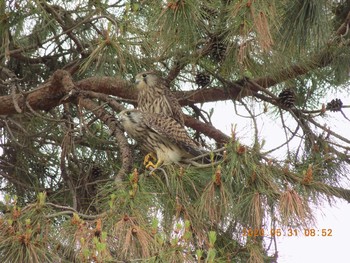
[334, 105]
[287, 98]
[96, 172]
[218, 50]
[202, 79]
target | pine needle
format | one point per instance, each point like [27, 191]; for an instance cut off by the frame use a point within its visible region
[293, 209]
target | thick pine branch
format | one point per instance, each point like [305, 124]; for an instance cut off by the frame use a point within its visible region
[46, 96]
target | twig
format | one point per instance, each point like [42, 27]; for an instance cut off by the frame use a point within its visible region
[329, 131]
[70, 211]
[111, 101]
[253, 118]
[201, 165]
[199, 113]
[207, 154]
[163, 171]
[344, 115]
[12, 136]
[15, 99]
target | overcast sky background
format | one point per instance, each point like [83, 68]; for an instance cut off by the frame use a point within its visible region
[299, 249]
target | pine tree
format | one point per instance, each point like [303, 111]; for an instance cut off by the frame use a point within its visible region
[73, 185]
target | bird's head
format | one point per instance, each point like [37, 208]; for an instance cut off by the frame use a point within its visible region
[147, 79]
[129, 118]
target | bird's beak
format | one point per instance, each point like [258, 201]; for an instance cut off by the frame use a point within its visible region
[137, 81]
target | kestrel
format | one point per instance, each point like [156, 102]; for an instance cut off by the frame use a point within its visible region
[156, 97]
[161, 135]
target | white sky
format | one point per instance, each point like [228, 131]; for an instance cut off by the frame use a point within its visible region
[299, 249]
[321, 249]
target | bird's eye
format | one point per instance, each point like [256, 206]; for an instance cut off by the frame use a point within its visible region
[144, 75]
[128, 113]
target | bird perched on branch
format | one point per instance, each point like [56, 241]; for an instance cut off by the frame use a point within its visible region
[155, 96]
[161, 135]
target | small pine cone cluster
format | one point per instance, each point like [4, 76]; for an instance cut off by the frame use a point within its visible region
[218, 50]
[287, 98]
[96, 172]
[202, 79]
[334, 105]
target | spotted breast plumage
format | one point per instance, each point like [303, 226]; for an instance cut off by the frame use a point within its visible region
[155, 96]
[159, 134]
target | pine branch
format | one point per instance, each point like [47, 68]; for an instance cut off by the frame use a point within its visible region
[65, 23]
[207, 129]
[49, 95]
[111, 122]
[326, 189]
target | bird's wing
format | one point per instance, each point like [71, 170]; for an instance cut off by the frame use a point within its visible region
[171, 130]
[175, 106]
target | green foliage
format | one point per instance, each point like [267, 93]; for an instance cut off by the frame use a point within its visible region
[304, 24]
[163, 216]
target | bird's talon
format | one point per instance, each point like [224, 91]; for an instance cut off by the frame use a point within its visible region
[150, 165]
[153, 167]
[148, 157]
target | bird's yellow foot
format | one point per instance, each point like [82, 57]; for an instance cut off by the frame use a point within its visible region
[148, 157]
[151, 166]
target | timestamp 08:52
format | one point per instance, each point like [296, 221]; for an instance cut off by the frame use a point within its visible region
[289, 232]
